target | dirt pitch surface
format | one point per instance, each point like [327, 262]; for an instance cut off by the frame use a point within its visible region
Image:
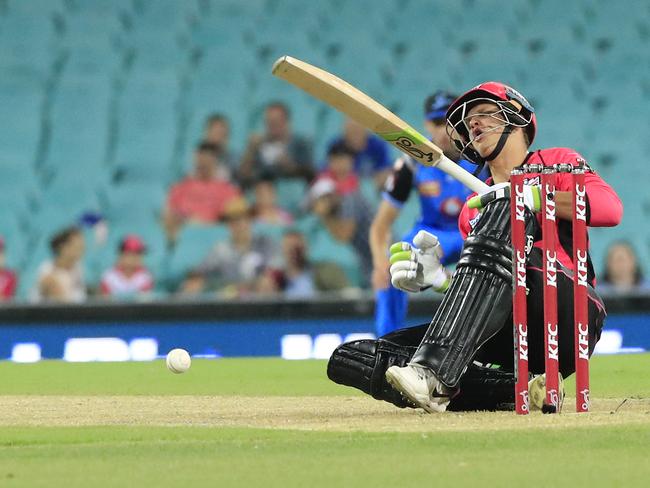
[317, 413]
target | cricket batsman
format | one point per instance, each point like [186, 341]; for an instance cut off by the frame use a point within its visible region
[463, 359]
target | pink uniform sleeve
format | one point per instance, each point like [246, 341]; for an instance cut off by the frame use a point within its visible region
[463, 221]
[605, 207]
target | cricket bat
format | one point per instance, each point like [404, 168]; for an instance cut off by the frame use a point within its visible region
[372, 115]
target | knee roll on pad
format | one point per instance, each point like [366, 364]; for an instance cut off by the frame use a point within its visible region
[478, 302]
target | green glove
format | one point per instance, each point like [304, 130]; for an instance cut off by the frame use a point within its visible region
[532, 196]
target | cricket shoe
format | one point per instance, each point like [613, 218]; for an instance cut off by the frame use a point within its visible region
[420, 386]
[537, 394]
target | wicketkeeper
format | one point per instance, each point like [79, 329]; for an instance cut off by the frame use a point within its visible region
[463, 359]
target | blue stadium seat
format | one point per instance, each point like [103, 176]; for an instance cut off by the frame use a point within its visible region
[50, 219]
[291, 194]
[324, 248]
[70, 192]
[16, 241]
[135, 200]
[273, 231]
[193, 245]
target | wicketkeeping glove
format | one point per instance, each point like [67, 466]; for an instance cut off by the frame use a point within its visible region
[416, 268]
[532, 196]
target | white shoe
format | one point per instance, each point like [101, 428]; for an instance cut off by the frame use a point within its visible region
[537, 394]
[419, 385]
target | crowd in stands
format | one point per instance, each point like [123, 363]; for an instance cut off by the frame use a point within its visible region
[287, 223]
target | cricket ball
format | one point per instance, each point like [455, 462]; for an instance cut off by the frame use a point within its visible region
[178, 361]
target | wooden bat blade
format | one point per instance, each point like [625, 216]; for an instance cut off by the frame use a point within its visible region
[371, 114]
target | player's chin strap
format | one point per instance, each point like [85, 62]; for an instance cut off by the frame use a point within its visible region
[507, 130]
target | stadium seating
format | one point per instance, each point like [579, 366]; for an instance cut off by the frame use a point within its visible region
[193, 245]
[103, 101]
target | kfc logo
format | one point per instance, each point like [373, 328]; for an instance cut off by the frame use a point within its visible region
[550, 203]
[583, 341]
[521, 268]
[523, 342]
[581, 267]
[581, 203]
[553, 347]
[520, 206]
[551, 269]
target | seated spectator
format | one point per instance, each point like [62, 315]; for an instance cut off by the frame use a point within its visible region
[199, 198]
[216, 131]
[371, 153]
[340, 169]
[623, 274]
[295, 279]
[61, 279]
[8, 279]
[277, 152]
[129, 277]
[233, 267]
[298, 280]
[346, 217]
[266, 209]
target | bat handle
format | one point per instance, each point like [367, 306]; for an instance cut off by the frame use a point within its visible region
[465, 177]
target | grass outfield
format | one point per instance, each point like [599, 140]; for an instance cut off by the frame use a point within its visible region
[268, 422]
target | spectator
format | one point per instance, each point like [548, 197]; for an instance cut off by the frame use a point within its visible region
[372, 154]
[297, 272]
[277, 152]
[61, 279]
[266, 209]
[8, 279]
[217, 131]
[623, 274]
[234, 267]
[340, 169]
[199, 198]
[129, 277]
[346, 217]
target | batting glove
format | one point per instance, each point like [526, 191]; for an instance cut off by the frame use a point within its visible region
[416, 268]
[532, 196]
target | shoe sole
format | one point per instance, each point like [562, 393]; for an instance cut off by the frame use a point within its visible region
[401, 384]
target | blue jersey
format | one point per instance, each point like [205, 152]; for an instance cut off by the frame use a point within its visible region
[375, 157]
[441, 200]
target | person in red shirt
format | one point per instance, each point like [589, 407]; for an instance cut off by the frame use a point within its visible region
[8, 279]
[433, 366]
[129, 276]
[200, 197]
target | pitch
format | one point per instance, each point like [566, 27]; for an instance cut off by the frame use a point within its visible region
[268, 422]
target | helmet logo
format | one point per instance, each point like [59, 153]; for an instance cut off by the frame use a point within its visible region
[515, 95]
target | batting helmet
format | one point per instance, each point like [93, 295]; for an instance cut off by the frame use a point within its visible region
[515, 111]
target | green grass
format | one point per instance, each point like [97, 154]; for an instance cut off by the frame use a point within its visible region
[206, 377]
[135, 456]
[139, 456]
[611, 376]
